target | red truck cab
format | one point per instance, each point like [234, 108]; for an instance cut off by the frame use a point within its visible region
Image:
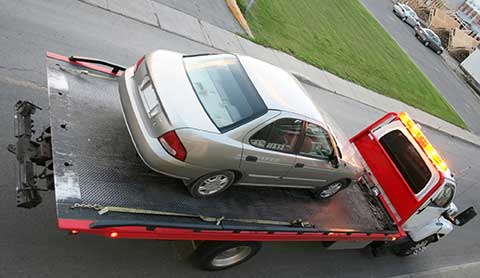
[409, 176]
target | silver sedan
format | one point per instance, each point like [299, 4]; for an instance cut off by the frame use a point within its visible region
[407, 14]
[213, 120]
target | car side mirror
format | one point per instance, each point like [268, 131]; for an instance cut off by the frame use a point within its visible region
[333, 159]
[464, 217]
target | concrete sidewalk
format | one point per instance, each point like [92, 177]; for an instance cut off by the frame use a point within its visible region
[174, 21]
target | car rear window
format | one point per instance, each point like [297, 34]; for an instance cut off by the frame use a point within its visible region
[433, 35]
[224, 90]
[408, 161]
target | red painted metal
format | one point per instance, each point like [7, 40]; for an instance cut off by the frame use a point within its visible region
[388, 176]
[371, 127]
[134, 232]
[82, 64]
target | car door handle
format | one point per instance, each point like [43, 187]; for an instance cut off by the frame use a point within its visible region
[251, 158]
[299, 165]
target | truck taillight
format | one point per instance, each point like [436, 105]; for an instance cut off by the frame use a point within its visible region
[172, 144]
[423, 142]
[139, 62]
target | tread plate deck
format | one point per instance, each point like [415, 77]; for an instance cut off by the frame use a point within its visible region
[95, 162]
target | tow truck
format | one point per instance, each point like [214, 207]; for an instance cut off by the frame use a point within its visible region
[402, 203]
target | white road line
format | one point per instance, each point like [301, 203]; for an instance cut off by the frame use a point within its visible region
[462, 270]
[23, 83]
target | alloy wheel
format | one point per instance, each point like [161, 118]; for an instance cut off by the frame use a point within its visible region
[213, 184]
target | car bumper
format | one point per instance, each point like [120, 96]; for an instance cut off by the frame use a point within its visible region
[148, 147]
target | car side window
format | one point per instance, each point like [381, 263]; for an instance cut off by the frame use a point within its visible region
[316, 143]
[281, 135]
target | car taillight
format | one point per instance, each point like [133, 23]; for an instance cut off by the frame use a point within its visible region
[139, 62]
[423, 142]
[172, 144]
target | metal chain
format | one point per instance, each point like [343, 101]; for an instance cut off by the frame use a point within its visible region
[88, 206]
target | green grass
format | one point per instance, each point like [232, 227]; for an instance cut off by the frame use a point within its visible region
[342, 37]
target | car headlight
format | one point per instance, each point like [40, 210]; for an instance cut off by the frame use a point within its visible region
[445, 197]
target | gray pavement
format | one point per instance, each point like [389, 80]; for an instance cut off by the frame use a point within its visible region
[214, 12]
[452, 87]
[32, 246]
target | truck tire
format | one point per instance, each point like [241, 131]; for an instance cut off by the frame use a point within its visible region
[410, 247]
[220, 255]
[330, 190]
[211, 184]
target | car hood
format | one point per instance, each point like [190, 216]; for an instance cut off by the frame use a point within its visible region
[349, 153]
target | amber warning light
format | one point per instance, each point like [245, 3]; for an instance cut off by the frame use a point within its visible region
[423, 142]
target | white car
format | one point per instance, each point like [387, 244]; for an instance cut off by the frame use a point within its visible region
[407, 14]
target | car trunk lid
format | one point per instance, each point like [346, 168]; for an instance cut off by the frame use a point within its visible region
[171, 102]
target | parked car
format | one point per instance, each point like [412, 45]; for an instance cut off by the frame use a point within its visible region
[213, 120]
[429, 39]
[406, 13]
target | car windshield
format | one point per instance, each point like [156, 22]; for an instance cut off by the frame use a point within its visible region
[407, 9]
[432, 35]
[224, 90]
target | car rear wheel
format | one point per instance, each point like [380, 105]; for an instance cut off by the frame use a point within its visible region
[426, 43]
[404, 18]
[330, 190]
[219, 255]
[211, 184]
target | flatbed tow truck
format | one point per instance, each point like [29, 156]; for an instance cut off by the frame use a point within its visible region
[102, 187]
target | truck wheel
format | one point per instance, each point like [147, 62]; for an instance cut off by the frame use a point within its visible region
[220, 255]
[211, 184]
[330, 190]
[410, 248]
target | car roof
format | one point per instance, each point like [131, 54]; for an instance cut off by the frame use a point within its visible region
[280, 90]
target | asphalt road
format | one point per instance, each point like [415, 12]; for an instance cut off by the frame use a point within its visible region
[453, 88]
[30, 244]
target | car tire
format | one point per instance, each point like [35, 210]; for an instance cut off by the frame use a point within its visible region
[439, 52]
[211, 184]
[426, 43]
[330, 190]
[410, 248]
[220, 255]
[404, 18]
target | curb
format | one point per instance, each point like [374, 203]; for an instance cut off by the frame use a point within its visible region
[232, 5]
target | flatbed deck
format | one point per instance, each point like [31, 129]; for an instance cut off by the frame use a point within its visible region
[95, 163]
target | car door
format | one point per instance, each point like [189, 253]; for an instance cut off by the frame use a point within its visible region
[312, 166]
[269, 151]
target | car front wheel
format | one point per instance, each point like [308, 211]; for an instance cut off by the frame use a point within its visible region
[426, 43]
[439, 52]
[330, 190]
[211, 184]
